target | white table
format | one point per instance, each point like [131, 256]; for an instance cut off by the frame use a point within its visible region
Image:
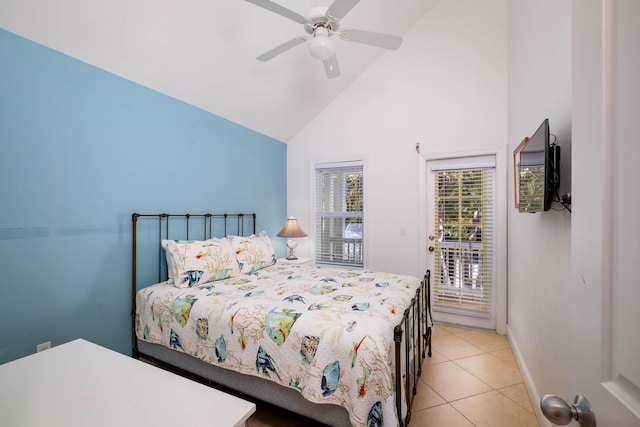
[83, 384]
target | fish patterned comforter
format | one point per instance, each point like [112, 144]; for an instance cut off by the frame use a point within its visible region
[326, 332]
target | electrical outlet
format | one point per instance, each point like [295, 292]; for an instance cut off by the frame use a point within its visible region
[44, 346]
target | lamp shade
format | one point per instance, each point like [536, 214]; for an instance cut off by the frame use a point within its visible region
[291, 228]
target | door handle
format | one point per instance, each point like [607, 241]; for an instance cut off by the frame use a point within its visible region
[431, 249]
[558, 411]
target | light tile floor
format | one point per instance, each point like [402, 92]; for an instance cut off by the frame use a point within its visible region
[471, 380]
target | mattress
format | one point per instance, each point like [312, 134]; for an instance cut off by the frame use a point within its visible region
[327, 333]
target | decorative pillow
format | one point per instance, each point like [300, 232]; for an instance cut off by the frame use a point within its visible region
[171, 266]
[253, 252]
[199, 262]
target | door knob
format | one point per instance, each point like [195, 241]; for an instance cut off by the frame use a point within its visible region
[431, 249]
[558, 411]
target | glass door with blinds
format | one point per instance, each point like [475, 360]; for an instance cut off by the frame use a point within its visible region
[461, 250]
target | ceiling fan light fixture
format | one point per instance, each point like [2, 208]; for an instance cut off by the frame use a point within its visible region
[320, 46]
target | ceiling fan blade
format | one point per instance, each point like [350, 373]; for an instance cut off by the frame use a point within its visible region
[339, 8]
[270, 54]
[331, 68]
[385, 41]
[280, 10]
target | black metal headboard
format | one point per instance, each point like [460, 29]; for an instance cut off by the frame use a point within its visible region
[156, 227]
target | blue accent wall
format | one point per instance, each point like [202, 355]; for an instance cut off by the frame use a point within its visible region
[80, 150]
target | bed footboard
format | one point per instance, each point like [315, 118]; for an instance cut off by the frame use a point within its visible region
[412, 338]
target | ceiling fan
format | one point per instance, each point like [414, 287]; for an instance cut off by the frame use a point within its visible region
[320, 24]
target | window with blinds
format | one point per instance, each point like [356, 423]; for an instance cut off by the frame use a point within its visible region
[464, 248]
[339, 214]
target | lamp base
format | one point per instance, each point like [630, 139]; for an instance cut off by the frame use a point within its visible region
[291, 244]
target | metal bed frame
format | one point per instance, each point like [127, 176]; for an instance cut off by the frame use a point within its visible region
[412, 336]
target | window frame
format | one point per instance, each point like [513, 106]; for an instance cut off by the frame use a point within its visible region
[358, 245]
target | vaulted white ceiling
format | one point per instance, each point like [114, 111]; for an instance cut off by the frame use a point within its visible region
[203, 51]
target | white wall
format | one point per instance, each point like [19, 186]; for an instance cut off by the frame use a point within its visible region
[444, 88]
[539, 272]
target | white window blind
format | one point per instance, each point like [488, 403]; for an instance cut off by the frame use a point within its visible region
[339, 214]
[465, 252]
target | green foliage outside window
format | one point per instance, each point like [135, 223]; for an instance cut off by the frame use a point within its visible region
[460, 196]
[354, 199]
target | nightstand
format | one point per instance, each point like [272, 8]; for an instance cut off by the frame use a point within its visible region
[299, 261]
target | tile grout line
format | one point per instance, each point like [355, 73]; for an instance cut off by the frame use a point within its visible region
[517, 403]
[454, 361]
[455, 409]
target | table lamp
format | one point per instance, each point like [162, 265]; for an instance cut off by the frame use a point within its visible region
[291, 229]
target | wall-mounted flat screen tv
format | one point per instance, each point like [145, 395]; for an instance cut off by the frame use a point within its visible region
[538, 171]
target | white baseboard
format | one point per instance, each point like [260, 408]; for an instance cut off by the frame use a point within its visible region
[528, 382]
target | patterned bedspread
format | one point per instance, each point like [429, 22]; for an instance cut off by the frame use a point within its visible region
[326, 332]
